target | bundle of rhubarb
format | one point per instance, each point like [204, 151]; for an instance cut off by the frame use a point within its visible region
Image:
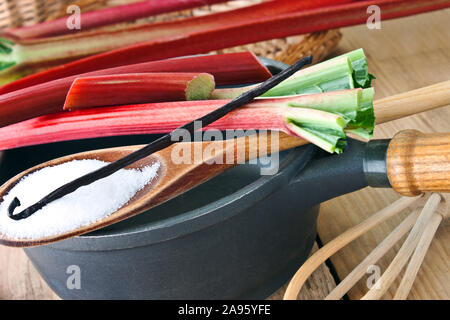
[52, 43]
[320, 103]
[138, 79]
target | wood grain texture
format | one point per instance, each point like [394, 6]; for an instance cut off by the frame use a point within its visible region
[19, 280]
[317, 287]
[412, 102]
[406, 54]
[418, 162]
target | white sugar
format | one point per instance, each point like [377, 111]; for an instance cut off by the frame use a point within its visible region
[86, 205]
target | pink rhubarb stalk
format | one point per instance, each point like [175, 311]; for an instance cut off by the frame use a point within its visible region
[229, 68]
[49, 97]
[107, 16]
[265, 114]
[249, 30]
[114, 90]
[16, 55]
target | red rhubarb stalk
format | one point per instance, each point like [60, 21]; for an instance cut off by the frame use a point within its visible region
[107, 16]
[249, 31]
[49, 97]
[264, 114]
[15, 55]
[229, 68]
[114, 90]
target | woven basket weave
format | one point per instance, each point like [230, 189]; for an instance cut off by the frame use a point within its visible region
[16, 13]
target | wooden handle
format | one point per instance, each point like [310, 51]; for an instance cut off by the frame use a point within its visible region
[412, 102]
[418, 162]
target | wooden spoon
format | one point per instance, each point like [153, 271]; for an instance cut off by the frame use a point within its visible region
[174, 179]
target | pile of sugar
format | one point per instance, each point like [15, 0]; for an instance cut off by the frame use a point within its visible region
[85, 206]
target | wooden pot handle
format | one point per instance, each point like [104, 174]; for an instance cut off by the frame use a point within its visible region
[412, 102]
[418, 162]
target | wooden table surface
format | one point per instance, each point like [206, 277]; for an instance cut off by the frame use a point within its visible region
[405, 54]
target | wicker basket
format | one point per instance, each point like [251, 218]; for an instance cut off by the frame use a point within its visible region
[15, 13]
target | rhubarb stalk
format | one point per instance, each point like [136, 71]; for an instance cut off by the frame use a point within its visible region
[347, 71]
[49, 97]
[107, 16]
[19, 53]
[136, 88]
[228, 68]
[244, 31]
[327, 76]
[343, 72]
[319, 118]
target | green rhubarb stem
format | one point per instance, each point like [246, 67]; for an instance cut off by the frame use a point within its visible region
[346, 103]
[328, 140]
[327, 131]
[343, 72]
[323, 77]
[327, 76]
[111, 90]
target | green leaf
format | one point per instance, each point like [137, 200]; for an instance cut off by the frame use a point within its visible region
[5, 46]
[7, 55]
[364, 123]
[6, 65]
